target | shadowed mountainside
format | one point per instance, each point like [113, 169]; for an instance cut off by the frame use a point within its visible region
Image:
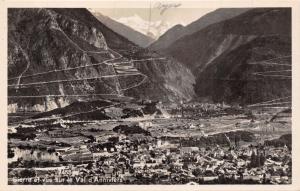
[221, 54]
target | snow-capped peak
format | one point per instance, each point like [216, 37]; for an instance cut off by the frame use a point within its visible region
[153, 29]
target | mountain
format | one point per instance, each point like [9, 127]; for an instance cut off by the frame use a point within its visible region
[220, 56]
[257, 71]
[199, 49]
[59, 56]
[153, 29]
[131, 34]
[179, 31]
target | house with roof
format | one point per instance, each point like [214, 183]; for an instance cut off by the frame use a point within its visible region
[184, 150]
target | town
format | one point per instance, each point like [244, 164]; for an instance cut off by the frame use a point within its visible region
[176, 149]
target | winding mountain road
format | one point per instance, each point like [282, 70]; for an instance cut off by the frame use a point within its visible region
[115, 66]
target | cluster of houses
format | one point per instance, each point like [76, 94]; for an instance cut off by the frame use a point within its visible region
[142, 159]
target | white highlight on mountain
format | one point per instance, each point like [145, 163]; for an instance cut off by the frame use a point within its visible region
[153, 29]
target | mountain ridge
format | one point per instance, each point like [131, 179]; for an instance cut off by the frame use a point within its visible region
[72, 55]
[230, 32]
[218, 53]
[128, 32]
[176, 33]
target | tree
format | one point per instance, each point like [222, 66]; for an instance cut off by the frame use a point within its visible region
[253, 161]
[262, 159]
[51, 150]
[113, 139]
[27, 173]
[92, 138]
[10, 153]
[185, 166]
[168, 159]
[152, 154]
[197, 172]
[89, 166]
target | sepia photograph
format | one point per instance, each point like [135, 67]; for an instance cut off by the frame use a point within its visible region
[157, 95]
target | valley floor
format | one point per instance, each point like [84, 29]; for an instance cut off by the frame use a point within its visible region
[178, 148]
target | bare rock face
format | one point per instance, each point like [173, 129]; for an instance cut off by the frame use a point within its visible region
[58, 56]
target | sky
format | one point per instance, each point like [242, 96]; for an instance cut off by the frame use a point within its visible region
[173, 15]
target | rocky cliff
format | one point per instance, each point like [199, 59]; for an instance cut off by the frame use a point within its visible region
[131, 34]
[57, 56]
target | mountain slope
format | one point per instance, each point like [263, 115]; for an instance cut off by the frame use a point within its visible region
[179, 31]
[257, 71]
[57, 56]
[199, 49]
[220, 56]
[131, 34]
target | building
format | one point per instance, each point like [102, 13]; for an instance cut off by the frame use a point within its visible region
[184, 150]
